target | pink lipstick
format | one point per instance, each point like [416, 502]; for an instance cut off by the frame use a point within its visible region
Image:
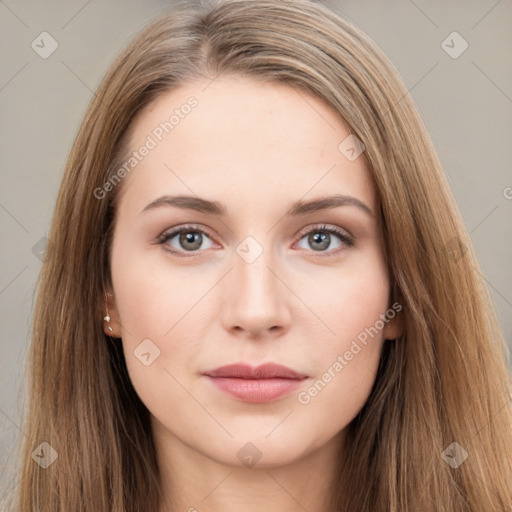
[259, 384]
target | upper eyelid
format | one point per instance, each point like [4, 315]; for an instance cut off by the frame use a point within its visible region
[320, 226]
[174, 231]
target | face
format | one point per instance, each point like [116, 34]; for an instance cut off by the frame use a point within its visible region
[256, 277]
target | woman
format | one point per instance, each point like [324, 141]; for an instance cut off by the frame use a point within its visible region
[259, 291]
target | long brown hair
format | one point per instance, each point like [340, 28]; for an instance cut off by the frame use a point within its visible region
[443, 381]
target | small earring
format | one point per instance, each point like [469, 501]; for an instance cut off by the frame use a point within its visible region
[107, 318]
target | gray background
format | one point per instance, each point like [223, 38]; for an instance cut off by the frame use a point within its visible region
[466, 103]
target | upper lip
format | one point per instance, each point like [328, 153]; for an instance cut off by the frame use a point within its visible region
[264, 371]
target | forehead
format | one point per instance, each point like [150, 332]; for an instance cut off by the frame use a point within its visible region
[238, 136]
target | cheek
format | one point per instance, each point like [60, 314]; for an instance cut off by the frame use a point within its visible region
[349, 299]
[150, 302]
[351, 307]
[158, 307]
[151, 294]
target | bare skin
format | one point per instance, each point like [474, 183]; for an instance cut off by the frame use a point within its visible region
[301, 302]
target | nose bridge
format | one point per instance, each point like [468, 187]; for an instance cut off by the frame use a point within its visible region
[256, 300]
[254, 280]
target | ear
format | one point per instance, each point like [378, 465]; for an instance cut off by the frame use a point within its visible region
[394, 327]
[110, 306]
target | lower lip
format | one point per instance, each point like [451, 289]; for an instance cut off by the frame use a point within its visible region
[256, 390]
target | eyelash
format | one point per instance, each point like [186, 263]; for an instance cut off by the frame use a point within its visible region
[344, 237]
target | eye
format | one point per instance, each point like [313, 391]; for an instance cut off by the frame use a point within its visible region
[189, 239]
[320, 238]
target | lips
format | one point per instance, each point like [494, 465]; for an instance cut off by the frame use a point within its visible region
[264, 371]
[261, 384]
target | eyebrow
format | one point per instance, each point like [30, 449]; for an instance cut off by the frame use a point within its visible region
[219, 209]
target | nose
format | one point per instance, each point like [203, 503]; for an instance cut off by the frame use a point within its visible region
[256, 299]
